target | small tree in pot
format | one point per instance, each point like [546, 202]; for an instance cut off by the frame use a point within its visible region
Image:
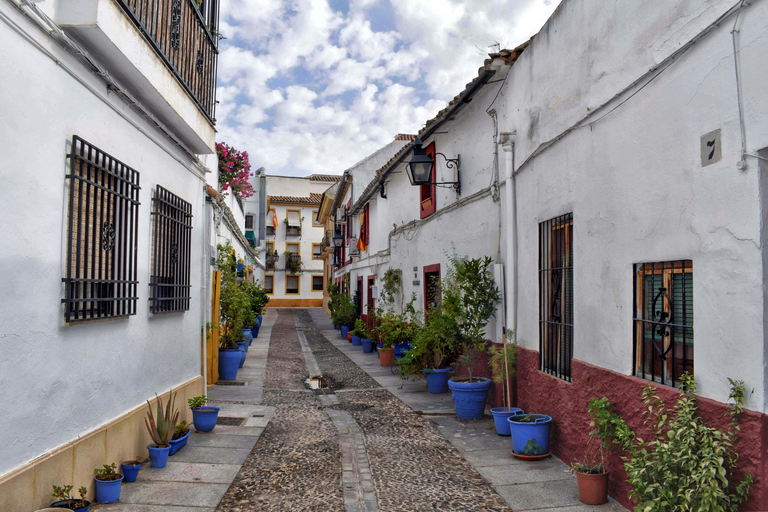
[470, 296]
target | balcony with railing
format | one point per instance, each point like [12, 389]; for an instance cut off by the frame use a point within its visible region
[292, 230]
[178, 66]
[327, 243]
[292, 263]
[271, 261]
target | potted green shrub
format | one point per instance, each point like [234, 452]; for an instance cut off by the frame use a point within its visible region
[591, 473]
[359, 332]
[470, 296]
[108, 483]
[433, 350]
[347, 314]
[683, 464]
[66, 500]
[235, 309]
[160, 428]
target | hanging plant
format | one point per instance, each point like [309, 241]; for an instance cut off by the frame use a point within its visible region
[234, 171]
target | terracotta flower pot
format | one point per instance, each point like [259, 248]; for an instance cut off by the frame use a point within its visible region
[349, 337]
[387, 356]
[593, 489]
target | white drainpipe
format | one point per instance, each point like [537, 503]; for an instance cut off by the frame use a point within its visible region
[508, 144]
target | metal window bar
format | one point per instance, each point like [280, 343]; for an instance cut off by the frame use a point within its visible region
[556, 296]
[663, 321]
[179, 34]
[102, 235]
[169, 284]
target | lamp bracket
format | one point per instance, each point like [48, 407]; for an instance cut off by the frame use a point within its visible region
[451, 163]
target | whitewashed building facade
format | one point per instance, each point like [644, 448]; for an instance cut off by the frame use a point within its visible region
[614, 165]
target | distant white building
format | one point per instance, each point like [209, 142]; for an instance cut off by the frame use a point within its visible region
[293, 241]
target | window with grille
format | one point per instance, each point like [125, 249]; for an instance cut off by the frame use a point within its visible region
[663, 320]
[317, 251]
[249, 221]
[556, 296]
[292, 284]
[317, 283]
[102, 234]
[169, 284]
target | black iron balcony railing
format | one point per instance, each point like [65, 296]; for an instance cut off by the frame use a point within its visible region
[292, 230]
[326, 243]
[184, 41]
[292, 263]
[270, 262]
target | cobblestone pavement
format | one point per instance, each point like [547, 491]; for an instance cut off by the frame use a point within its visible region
[296, 465]
[356, 448]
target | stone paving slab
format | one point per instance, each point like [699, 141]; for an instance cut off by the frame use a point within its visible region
[538, 471]
[173, 493]
[213, 455]
[124, 507]
[235, 431]
[560, 495]
[192, 472]
[221, 441]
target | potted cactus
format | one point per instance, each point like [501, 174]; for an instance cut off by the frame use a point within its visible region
[180, 436]
[160, 429]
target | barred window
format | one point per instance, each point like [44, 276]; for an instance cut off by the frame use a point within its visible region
[292, 284]
[556, 296]
[317, 283]
[102, 234]
[169, 283]
[663, 321]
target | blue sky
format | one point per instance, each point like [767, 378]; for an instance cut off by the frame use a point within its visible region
[313, 86]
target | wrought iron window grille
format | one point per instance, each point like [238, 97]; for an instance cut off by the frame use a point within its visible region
[102, 228]
[663, 321]
[169, 284]
[556, 296]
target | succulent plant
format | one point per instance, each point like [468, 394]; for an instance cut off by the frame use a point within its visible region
[161, 428]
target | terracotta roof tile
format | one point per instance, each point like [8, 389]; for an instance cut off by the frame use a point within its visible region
[405, 136]
[324, 177]
[313, 199]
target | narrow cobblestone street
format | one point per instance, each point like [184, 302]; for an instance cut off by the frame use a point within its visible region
[356, 447]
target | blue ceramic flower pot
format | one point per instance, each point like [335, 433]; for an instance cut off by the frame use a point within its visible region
[379, 347]
[67, 505]
[229, 359]
[130, 472]
[260, 318]
[500, 415]
[437, 379]
[108, 491]
[255, 331]
[204, 418]
[335, 327]
[344, 331]
[158, 456]
[400, 349]
[178, 444]
[248, 338]
[469, 397]
[243, 350]
[356, 341]
[367, 345]
[530, 438]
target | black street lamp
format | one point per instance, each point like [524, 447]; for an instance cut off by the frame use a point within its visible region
[419, 169]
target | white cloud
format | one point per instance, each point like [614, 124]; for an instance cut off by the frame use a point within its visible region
[305, 89]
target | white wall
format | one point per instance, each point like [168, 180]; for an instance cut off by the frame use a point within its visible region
[62, 381]
[634, 180]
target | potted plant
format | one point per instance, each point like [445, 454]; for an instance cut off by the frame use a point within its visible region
[503, 361]
[347, 314]
[470, 295]
[235, 306]
[591, 474]
[203, 416]
[433, 350]
[180, 436]
[530, 435]
[131, 469]
[160, 429]
[359, 332]
[108, 483]
[66, 500]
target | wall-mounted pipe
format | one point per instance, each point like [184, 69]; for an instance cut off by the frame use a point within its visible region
[510, 194]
